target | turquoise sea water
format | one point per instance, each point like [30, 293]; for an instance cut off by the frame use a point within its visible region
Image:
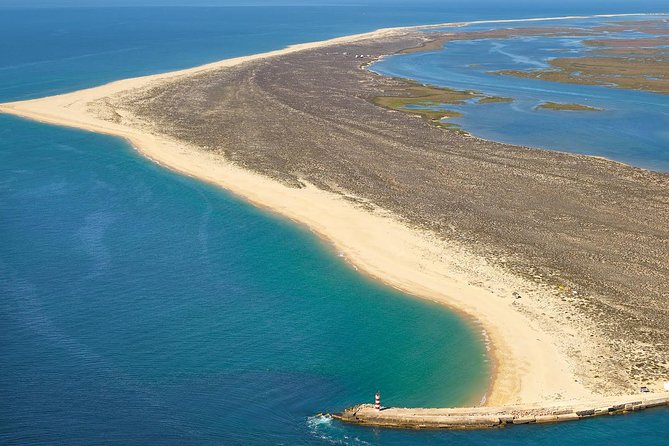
[633, 126]
[138, 306]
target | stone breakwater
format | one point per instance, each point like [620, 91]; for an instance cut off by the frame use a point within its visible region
[494, 417]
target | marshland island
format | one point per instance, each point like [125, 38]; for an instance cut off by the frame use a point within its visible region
[562, 259]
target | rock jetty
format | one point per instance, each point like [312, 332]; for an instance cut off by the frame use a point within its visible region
[495, 417]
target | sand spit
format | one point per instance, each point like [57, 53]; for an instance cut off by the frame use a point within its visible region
[541, 349]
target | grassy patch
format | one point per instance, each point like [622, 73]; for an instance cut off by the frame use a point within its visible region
[425, 96]
[422, 100]
[629, 72]
[493, 100]
[566, 107]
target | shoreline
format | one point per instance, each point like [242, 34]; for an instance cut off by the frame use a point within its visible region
[147, 151]
[504, 384]
[524, 370]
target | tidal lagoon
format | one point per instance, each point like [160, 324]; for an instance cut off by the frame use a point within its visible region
[629, 126]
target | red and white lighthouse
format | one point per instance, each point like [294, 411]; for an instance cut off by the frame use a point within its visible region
[377, 401]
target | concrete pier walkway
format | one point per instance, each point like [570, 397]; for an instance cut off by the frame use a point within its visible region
[491, 417]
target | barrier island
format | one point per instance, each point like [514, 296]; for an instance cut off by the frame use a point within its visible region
[561, 259]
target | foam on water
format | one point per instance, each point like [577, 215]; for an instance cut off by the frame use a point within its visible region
[322, 428]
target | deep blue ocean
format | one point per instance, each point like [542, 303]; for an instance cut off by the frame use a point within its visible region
[138, 306]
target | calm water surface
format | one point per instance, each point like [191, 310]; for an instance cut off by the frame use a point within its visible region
[138, 306]
[633, 126]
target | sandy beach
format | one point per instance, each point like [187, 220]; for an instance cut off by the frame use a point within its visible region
[531, 356]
